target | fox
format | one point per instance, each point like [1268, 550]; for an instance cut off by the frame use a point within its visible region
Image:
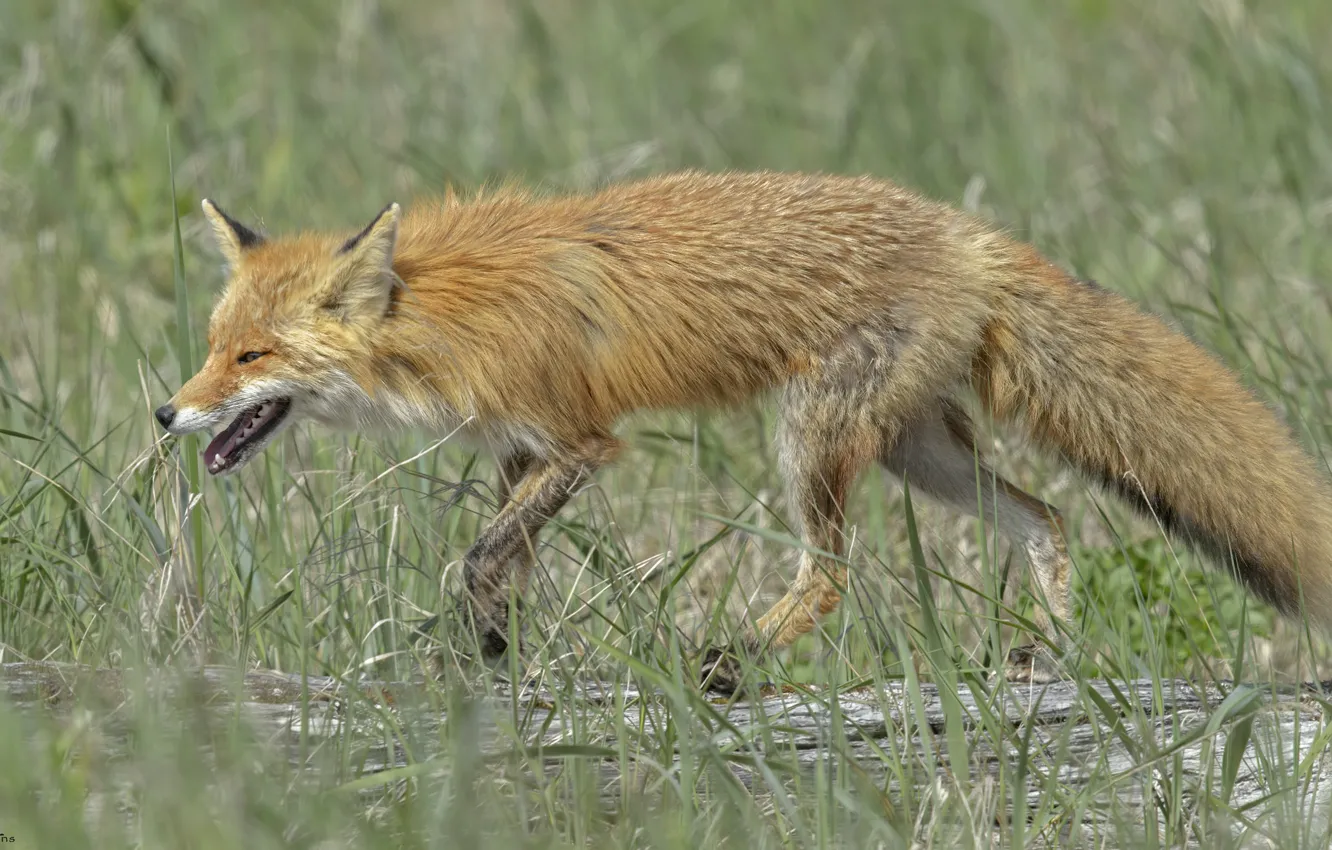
[533, 322]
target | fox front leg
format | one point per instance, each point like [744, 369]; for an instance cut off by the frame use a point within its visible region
[545, 485]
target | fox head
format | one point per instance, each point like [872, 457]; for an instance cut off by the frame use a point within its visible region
[288, 336]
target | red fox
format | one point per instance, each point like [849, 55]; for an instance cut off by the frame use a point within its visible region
[536, 323]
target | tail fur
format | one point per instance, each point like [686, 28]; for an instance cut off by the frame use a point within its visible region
[1142, 409]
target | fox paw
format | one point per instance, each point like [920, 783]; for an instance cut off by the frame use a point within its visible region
[1032, 664]
[490, 631]
[721, 673]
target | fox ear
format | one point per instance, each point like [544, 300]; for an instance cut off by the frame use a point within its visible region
[364, 277]
[233, 238]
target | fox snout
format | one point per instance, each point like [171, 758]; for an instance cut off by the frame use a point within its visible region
[258, 415]
[165, 414]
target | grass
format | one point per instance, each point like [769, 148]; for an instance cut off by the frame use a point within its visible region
[1179, 153]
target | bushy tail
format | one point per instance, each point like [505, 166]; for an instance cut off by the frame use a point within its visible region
[1139, 407]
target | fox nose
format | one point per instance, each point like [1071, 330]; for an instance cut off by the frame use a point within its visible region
[165, 414]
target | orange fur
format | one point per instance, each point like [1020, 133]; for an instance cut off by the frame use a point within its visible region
[541, 321]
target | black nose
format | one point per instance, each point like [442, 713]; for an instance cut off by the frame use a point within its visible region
[165, 414]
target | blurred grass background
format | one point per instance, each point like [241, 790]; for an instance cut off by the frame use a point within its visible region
[1179, 153]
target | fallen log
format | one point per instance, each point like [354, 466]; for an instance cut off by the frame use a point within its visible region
[1127, 749]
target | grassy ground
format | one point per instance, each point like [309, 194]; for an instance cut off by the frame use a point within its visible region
[1178, 152]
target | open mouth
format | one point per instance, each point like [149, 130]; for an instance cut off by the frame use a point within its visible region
[243, 438]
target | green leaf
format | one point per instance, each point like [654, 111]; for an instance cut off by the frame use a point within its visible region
[269, 609]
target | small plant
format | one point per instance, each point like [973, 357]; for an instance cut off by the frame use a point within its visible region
[1145, 601]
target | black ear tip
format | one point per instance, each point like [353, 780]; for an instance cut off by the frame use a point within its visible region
[246, 237]
[356, 240]
[390, 209]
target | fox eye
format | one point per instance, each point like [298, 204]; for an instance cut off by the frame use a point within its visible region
[250, 356]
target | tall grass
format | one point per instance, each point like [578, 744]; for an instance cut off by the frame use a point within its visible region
[1179, 153]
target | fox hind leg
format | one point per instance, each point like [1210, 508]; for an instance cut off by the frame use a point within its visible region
[833, 421]
[821, 451]
[937, 455]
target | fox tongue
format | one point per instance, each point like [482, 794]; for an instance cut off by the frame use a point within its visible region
[238, 433]
[226, 441]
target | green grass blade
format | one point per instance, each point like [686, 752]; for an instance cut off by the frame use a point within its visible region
[188, 446]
